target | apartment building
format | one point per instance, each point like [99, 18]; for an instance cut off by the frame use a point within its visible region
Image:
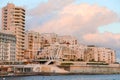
[67, 39]
[7, 47]
[13, 19]
[61, 47]
[49, 38]
[32, 44]
[79, 50]
[99, 54]
[63, 52]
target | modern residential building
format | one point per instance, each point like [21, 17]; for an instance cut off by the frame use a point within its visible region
[35, 41]
[49, 38]
[70, 40]
[63, 52]
[99, 54]
[79, 50]
[32, 44]
[13, 19]
[69, 54]
[7, 47]
[52, 52]
[62, 48]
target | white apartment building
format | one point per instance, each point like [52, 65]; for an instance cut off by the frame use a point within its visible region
[13, 19]
[7, 47]
[99, 54]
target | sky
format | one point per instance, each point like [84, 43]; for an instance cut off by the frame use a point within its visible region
[91, 21]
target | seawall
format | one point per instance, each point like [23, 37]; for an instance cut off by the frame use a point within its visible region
[95, 69]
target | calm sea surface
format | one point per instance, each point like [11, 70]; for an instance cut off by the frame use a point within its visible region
[70, 77]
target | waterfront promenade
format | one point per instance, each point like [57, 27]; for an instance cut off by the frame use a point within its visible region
[78, 68]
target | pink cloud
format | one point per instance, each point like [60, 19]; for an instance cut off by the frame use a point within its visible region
[79, 19]
[50, 6]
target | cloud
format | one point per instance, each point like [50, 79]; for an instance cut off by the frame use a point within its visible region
[79, 19]
[44, 12]
[50, 6]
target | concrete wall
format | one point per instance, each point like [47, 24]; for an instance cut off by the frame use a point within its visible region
[95, 69]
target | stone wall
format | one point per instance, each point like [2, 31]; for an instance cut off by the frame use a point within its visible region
[94, 69]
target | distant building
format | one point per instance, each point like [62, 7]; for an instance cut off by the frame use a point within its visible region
[13, 19]
[61, 47]
[7, 47]
[63, 52]
[99, 54]
[79, 50]
[70, 40]
[32, 44]
[49, 38]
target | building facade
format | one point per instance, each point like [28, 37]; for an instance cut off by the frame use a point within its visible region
[79, 50]
[99, 54]
[7, 47]
[13, 19]
[63, 48]
[32, 44]
[67, 39]
[49, 38]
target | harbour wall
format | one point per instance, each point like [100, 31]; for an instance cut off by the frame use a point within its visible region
[94, 69]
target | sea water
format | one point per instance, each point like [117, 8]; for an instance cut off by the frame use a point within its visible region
[65, 77]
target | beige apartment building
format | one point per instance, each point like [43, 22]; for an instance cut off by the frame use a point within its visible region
[79, 50]
[65, 48]
[70, 40]
[49, 38]
[32, 44]
[35, 41]
[52, 52]
[13, 19]
[62, 52]
[99, 54]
